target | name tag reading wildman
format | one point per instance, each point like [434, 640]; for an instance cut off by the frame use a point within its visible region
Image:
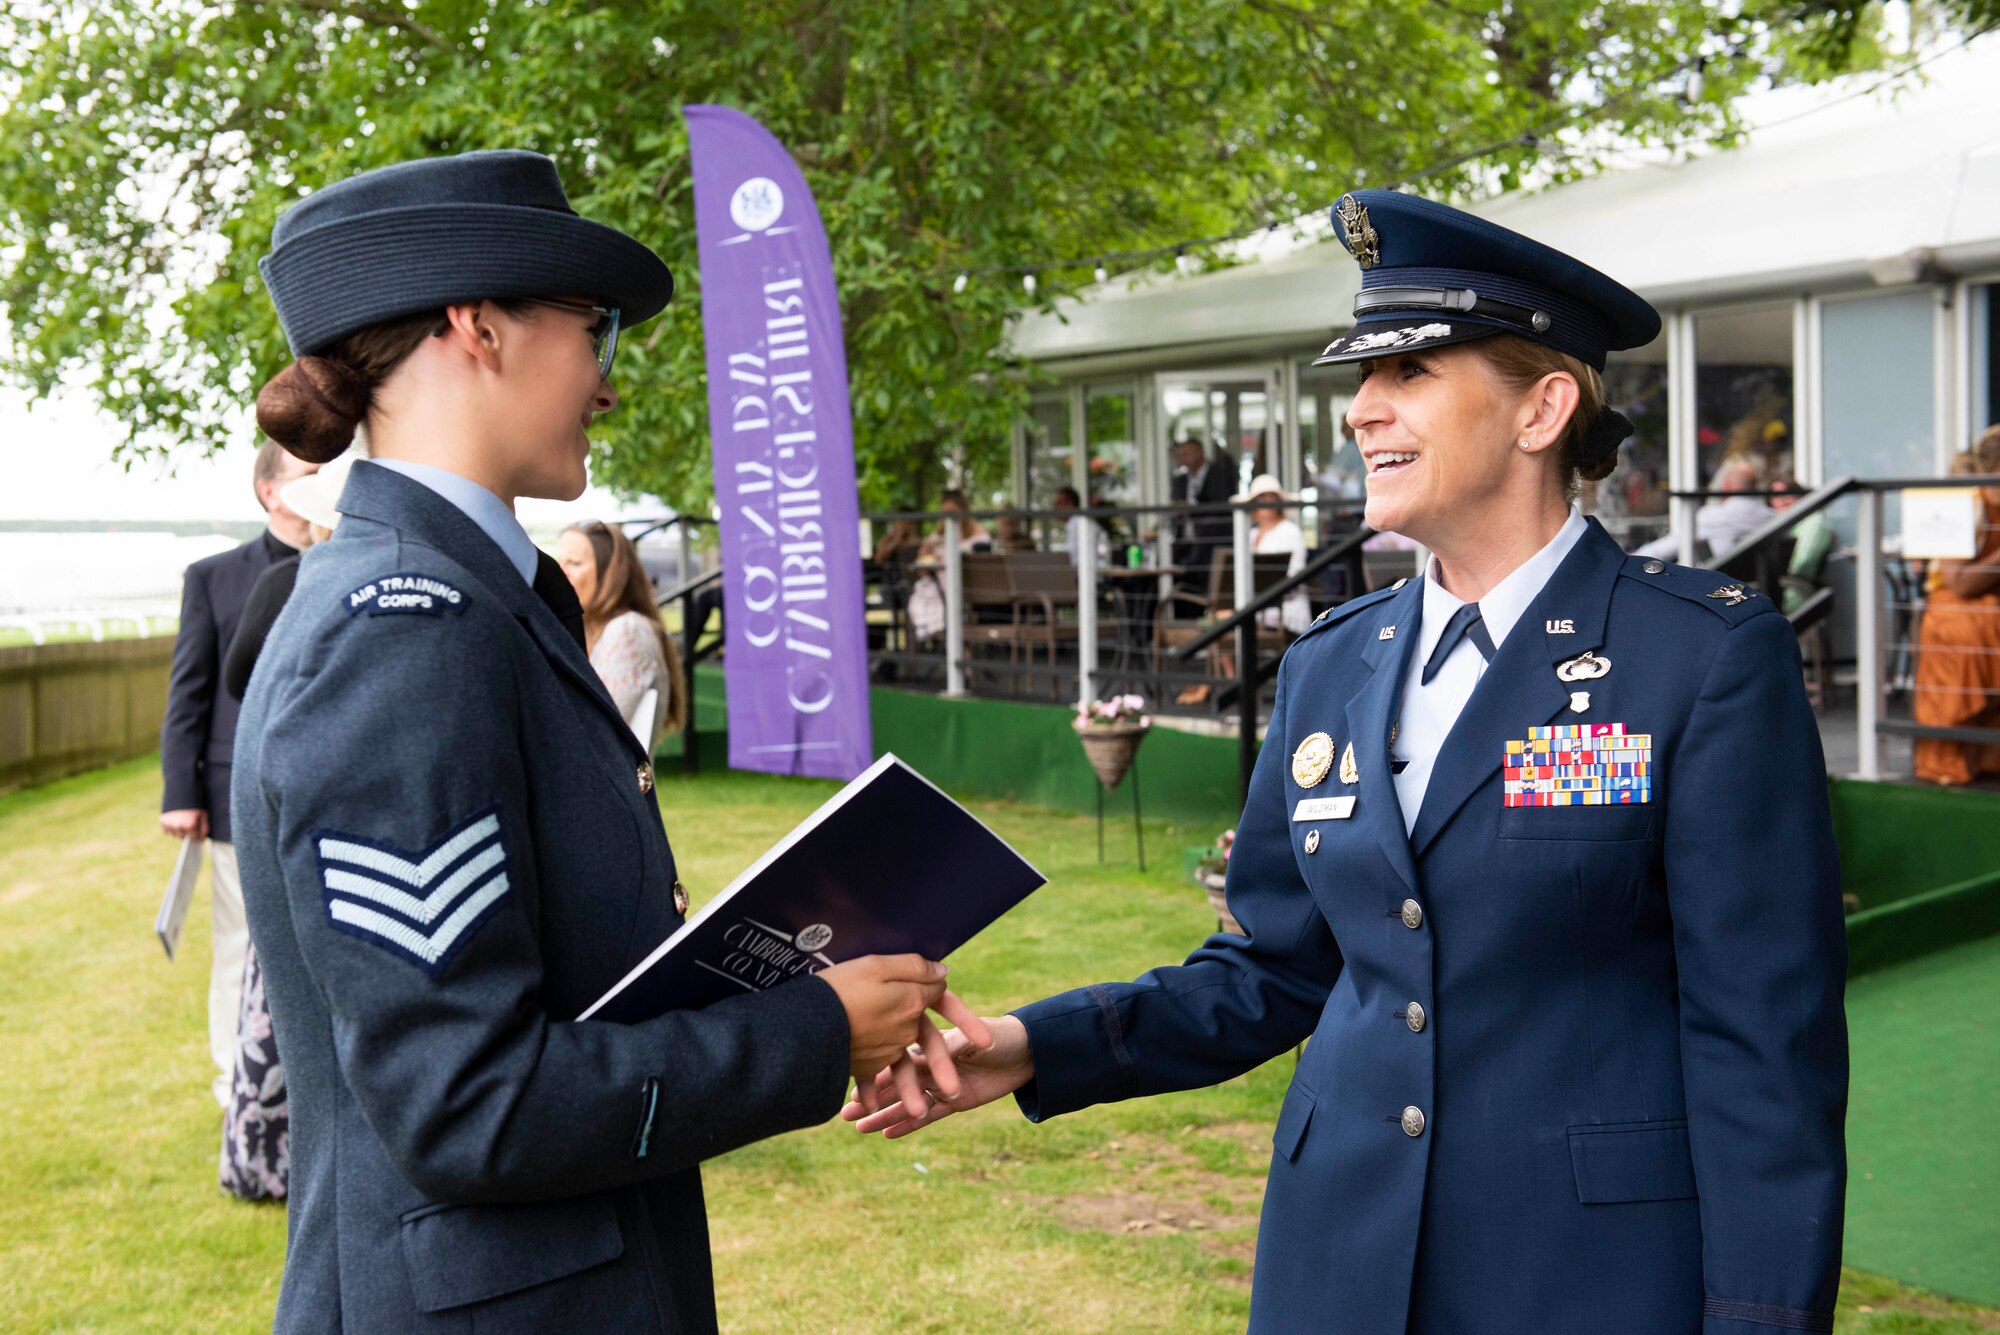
[1323, 808]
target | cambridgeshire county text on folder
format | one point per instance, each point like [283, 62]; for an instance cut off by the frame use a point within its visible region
[889, 865]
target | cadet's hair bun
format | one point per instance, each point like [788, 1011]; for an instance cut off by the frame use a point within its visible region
[1597, 453]
[313, 406]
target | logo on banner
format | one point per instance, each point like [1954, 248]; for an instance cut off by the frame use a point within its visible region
[756, 204]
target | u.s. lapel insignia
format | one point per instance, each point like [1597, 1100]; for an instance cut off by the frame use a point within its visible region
[1363, 242]
[1732, 594]
[1579, 701]
[1312, 760]
[1349, 773]
[1586, 666]
[1386, 633]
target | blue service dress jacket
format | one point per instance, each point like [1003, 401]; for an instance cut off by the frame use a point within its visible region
[1574, 1069]
[450, 848]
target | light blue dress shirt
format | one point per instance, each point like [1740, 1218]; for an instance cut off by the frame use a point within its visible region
[1431, 707]
[479, 505]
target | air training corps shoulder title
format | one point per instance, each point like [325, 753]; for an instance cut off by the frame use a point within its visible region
[405, 593]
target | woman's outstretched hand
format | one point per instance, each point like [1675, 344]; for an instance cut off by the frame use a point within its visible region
[978, 1073]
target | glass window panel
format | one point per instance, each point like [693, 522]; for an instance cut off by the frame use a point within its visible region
[1631, 502]
[1332, 476]
[1231, 420]
[1114, 454]
[1743, 390]
[1049, 451]
[1876, 369]
[1985, 387]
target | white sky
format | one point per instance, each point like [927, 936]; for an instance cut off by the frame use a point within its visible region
[55, 463]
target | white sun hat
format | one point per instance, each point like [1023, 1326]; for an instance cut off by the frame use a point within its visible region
[1264, 484]
[314, 497]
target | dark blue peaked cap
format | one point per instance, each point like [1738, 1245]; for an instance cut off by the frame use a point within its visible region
[1432, 275]
[424, 234]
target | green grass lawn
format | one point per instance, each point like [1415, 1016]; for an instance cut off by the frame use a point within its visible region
[1136, 1217]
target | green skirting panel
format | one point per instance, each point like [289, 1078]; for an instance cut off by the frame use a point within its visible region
[1027, 753]
[1923, 862]
[1923, 1153]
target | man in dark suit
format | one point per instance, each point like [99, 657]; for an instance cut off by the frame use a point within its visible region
[1198, 481]
[199, 733]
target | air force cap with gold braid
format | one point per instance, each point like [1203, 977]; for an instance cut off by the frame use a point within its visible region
[1432, 276]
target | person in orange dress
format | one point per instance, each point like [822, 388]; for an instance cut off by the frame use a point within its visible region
[1958, 643]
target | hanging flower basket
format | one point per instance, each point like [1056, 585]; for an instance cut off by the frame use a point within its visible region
[1111, 731]
[1111, 748]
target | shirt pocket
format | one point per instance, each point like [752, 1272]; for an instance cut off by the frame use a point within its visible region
[1592, 825]
[1632, 1161]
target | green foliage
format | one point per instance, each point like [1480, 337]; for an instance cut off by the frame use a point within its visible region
[147, 145]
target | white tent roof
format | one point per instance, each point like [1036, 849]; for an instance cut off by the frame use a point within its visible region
[1828, 182]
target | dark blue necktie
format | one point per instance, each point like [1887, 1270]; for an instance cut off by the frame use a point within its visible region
[1467, 623]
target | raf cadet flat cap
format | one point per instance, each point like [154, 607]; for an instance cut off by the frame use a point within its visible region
[424, 234]
[1432, 276]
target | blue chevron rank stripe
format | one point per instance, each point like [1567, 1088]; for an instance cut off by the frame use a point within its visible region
[1578, 765]
[421, 905]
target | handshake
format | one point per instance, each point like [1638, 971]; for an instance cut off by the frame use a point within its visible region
[907, 1072]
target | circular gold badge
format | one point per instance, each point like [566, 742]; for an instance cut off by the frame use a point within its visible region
[1312, 760]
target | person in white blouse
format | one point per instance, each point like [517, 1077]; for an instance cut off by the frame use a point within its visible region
[628, 646]
[1276, 533]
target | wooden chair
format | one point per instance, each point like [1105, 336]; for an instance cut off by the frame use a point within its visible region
[1174, 626]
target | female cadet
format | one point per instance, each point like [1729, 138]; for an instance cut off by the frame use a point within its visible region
[1537, 853]
[450, 843]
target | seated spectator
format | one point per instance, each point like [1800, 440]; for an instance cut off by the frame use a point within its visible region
[899, 542]
[1812, 539]
[622, 632]
[1009, 535]
[1079, 528]
[927, 598]
[1723, 522]
[1277, 533]
[1958, 641]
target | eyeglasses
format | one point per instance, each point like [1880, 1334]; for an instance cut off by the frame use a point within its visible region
[603, 333]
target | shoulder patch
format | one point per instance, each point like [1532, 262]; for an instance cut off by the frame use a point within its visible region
[1731, 599]
[423, 904]
[404, 593]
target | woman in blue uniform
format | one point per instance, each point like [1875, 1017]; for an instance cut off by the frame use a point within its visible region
[1538, 856]
[449, 839]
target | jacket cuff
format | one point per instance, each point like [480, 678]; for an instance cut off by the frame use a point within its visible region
[1077, 1040]
[184, 792]
[1722, 1316]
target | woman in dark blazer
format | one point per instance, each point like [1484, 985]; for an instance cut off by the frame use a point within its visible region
[1538, 856]
[449, 839]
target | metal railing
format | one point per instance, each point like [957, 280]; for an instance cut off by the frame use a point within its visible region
[1891, 595]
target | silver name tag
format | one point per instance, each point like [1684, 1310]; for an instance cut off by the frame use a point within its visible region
[1323, 808]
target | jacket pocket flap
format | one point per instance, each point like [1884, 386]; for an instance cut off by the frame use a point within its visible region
[1632, 1161]
[469, 1253]
[1293, 1119]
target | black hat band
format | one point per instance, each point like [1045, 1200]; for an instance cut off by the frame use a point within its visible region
[1508, 304]
[1463, 300]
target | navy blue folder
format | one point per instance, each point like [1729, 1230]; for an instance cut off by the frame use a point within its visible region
[889, 865]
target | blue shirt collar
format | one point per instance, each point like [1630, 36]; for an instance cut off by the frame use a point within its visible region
[479, 505]
[1504, 602]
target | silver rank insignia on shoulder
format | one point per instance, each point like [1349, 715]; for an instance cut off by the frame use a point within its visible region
[1731, 594]
[1386, 633]
[646, 777]
[1559, 626]
[1585, 666]
[1579, 701]
[1349, 773]
[680, 899]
